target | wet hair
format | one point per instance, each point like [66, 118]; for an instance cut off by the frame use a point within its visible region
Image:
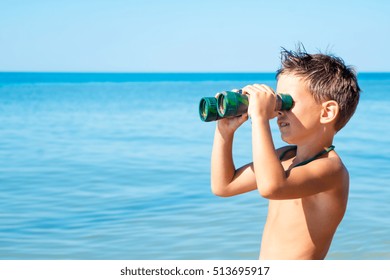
[327, 78]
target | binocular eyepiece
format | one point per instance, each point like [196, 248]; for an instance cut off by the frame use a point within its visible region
[232, 104]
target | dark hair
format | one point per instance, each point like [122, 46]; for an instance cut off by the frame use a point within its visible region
[327, 78]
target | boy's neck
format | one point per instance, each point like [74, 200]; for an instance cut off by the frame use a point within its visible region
[308, 149]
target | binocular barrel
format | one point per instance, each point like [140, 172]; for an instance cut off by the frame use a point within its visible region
[232, 104]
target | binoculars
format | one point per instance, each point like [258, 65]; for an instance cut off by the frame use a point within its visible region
[232, 104]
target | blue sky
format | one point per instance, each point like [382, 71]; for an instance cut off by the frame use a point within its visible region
[188, 36]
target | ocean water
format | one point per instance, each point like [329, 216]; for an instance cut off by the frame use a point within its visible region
[117, 166]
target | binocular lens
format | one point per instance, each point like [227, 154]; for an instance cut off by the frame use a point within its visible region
[208, 109]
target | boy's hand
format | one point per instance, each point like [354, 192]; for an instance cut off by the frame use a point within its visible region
[230, 125]
[262, 101]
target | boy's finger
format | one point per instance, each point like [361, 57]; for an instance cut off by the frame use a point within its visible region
[243, 118]
[248, 90]
[264, 88]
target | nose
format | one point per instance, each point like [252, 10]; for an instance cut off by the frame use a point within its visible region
[281, 113]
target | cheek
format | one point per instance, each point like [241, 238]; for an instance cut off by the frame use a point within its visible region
[305, 117]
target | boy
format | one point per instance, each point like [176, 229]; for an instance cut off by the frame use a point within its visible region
[306, 184]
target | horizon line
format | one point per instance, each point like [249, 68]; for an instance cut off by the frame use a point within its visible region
[159, 72]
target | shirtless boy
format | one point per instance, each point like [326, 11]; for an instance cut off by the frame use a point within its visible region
[306, 182]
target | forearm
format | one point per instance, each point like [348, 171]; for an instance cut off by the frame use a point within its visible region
[222, 165]
[268, 171]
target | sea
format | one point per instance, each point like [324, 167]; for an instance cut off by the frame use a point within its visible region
[116, 166]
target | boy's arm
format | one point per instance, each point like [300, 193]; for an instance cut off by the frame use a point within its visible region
[225, 179]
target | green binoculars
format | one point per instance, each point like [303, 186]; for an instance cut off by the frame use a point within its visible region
[232, 104]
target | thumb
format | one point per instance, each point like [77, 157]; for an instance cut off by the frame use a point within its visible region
[243, 118]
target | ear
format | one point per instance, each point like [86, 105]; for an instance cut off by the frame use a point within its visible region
[330, 111]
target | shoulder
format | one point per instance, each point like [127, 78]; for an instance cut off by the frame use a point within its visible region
[337, 166]
[327, 173]
[331, 168]
[334, 163]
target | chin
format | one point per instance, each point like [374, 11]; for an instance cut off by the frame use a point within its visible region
[287, 139]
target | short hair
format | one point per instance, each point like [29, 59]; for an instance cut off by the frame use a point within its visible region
[327, 78]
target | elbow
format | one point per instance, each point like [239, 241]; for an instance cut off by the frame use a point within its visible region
[219, 191]
[267, 191]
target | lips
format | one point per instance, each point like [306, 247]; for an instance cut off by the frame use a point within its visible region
[282, 123]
